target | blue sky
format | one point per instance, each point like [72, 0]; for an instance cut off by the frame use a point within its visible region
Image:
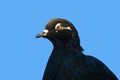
[22, 57]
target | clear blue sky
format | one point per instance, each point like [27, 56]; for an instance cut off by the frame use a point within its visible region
[22, 57]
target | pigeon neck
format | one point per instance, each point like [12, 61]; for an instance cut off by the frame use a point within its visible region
[69, 44]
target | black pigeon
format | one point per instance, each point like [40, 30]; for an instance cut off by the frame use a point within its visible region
[67, 61]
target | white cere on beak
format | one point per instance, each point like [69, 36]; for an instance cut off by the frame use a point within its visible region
[44, 32]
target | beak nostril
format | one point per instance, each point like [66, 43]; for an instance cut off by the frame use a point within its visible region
[43, 33]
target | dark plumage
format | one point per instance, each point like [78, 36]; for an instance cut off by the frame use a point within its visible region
[67, 61]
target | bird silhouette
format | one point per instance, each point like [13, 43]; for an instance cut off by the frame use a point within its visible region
[67, 60]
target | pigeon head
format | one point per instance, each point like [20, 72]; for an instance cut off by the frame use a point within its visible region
[60, 32]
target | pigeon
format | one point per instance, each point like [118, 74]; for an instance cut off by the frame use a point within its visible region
[67, 60]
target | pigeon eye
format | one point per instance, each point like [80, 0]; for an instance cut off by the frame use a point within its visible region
[58, 26]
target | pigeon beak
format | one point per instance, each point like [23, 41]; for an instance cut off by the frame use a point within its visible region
[43, 34]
